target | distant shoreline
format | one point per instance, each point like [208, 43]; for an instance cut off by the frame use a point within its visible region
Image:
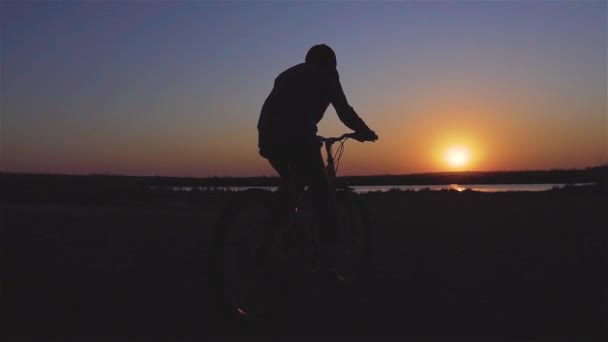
[40, 188]
[588, 175]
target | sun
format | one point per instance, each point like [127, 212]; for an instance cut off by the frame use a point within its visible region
[458, 156]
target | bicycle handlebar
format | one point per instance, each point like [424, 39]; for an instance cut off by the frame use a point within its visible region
[332, 168]
[353, 135]
[332, 140]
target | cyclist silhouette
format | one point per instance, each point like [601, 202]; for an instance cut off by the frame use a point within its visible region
[287, 137]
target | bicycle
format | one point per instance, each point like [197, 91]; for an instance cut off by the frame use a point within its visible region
[291, 252]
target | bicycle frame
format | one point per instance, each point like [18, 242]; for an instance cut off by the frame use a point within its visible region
[251, 234]
[330, 170]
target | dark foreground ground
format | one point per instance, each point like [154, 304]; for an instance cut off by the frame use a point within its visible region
[447, 266]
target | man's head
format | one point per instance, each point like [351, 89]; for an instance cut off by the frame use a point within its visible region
[322, 55]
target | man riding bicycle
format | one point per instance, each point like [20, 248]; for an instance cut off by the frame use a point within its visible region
[287, 137]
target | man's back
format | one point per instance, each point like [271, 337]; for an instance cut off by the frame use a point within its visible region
[300, 96]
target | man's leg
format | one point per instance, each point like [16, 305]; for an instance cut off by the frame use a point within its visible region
[282, 202]
[290, 187]
[285, 198]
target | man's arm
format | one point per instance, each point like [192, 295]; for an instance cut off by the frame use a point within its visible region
[346, 113]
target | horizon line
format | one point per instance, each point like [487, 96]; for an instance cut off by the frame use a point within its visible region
[275, 176]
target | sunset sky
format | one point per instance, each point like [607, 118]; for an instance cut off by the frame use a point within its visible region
[175, 88]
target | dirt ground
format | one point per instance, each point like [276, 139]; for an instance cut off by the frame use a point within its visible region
[447, 266]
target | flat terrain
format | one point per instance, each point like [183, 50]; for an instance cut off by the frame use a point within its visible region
[447, 266]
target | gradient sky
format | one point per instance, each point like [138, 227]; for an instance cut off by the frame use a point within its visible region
[175, 88]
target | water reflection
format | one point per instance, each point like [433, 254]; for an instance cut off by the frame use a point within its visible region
[385, 188]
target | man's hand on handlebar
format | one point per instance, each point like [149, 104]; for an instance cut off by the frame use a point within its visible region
[365, 136]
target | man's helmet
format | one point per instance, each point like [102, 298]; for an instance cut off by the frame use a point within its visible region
[321, 55]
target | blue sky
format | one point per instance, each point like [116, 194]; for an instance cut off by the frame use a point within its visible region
[175, 88]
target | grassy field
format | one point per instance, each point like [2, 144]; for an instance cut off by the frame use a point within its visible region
[447, 266]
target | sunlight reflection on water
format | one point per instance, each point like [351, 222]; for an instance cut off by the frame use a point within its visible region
[385, 188]
[463, 187]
